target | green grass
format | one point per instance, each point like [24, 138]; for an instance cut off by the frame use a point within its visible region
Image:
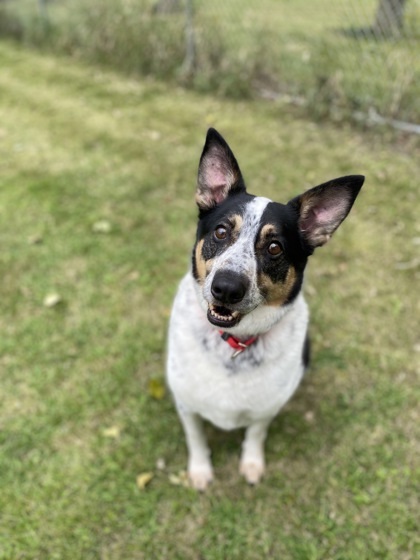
[80, 146]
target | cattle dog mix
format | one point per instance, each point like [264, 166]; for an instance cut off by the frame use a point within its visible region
[238, 336]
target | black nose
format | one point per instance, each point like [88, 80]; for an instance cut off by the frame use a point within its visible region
[229, 287]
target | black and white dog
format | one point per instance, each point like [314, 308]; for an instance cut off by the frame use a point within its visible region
[238, 342]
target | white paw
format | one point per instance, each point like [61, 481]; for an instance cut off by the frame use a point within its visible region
[200, 476]
[252, 470]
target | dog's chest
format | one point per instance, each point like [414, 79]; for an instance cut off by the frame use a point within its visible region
[232, 398]
[230, 392]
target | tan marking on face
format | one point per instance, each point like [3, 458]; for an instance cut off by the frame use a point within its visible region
[269, 230]
[277, 293]
[200, 263]
[209, 265]
[236, 221]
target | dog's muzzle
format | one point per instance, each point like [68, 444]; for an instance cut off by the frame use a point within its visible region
[228, 289]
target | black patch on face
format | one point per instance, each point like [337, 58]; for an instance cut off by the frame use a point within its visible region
[234, 205]
[285, 231]
[220, 215]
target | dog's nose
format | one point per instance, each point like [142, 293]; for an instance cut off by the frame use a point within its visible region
[229, 287]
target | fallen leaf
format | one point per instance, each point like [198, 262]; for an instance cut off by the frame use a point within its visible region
[309, 416]
[133, 276]
[310, 290]
[180, 479]
[35, 239]
[51, 300]
[155, 135]
[156, 389]
[112, 432]
[143, 479]
[102, 226]
[160, 464]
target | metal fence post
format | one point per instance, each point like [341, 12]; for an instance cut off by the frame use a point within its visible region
[189, 63]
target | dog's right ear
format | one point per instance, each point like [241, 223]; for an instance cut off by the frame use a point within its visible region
[218, 173]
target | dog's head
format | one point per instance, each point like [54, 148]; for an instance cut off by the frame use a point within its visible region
[250, 252]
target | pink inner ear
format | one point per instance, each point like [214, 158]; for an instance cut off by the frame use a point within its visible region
[214, 183]
[218, 193]
[215, 175]
[323, 215]
[330, 213]
[323, 218]
[218, 178]
[218, 172]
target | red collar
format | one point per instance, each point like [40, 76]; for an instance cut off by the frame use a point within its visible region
[238, 345]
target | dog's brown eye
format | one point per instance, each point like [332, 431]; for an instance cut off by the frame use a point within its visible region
[220, 233]
[274, 249]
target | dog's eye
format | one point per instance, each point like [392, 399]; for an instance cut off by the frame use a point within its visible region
[274, 248]
[220, 233]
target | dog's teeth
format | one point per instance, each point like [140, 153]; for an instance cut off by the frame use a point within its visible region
[226, 318]
[223, 317]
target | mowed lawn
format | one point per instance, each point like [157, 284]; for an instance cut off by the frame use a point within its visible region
[97, 219]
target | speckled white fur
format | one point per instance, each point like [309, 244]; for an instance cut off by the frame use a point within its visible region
[248, 391]
[240, 258]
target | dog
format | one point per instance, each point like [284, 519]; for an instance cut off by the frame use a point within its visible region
[238, 341]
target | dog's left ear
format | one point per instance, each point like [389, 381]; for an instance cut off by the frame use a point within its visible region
[322, 209]
[218, 173]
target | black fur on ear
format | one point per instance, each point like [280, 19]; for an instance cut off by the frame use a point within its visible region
[218, 172]
[322, 209]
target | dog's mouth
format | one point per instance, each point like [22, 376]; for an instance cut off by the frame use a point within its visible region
[222, 316]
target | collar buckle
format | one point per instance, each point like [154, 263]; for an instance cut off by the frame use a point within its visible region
[237, 344]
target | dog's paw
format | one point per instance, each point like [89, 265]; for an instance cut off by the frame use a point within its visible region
[252, 471]
[200, 477]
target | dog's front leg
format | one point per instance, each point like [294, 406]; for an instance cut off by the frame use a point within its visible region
[200, 471]
[252, 465]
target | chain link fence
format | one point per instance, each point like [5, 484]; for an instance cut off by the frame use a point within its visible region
[338, 58]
